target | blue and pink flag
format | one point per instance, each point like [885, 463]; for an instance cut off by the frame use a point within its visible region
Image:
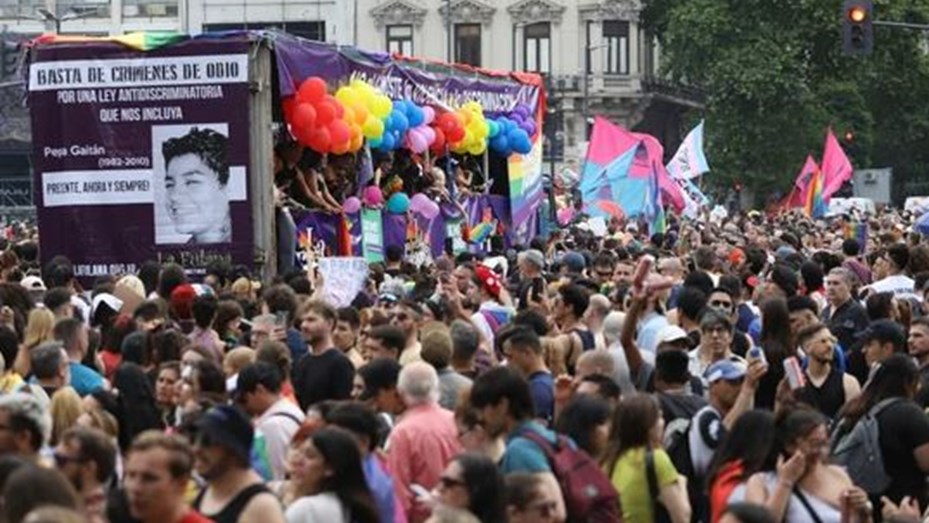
[689, 161]
[620, 166]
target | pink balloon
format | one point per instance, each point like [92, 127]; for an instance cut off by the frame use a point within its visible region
[428, 132]
[418, 142]
[351, 205]
[418, 202]
[373, 196]
[431, 210]
[428, 115]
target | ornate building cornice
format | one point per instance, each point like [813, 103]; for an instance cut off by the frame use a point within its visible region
[468, 11]
[397, 12]
[611, 10]
[532, 11]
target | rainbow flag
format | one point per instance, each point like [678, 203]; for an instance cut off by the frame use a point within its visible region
[140, 41]
[857, 231]
[815, 206]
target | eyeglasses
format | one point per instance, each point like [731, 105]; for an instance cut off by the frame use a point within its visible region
[450, 483]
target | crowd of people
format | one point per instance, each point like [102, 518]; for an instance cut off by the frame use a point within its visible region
[748, 369]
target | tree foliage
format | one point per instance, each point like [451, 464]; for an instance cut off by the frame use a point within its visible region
[775, 79]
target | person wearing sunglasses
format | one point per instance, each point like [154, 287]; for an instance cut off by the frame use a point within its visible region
[234, 493]
[473, 482]
[87, 457]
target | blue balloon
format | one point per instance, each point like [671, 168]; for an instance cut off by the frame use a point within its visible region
[415, 114]
[387, 141]
[398, 203]
[510, 125]
[500, 144]
[400, 105]
[400, 121]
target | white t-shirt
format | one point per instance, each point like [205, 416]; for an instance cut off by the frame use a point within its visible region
[901, 286]
[321, 507]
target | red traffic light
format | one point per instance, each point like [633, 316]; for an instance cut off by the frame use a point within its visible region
[857, 14]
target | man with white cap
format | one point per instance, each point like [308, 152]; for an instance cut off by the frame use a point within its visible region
[732, 387]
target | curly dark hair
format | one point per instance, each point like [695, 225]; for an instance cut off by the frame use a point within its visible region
[207, 144]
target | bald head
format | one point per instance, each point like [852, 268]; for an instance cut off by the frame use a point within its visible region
[595, 362]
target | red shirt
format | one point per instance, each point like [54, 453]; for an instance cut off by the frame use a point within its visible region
[192, 516]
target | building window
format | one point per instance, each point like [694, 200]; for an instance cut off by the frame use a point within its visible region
[468, 44]
[537, 47]
[647, 53]
[400, 39]
[149, 8]
[616, 42]
[309, 30]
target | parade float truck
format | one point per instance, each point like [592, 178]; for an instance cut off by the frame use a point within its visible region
[160, 146]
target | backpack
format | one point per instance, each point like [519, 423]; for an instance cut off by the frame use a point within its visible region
[677, 445]
[858, 449]
[588, 493]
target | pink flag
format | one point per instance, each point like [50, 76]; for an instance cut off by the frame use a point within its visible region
[802, 183]
[836, 168]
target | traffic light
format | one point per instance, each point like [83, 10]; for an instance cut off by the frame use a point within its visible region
[9, 58]
[858, 27]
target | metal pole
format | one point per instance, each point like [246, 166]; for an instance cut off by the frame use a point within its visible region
[585, 104]
[903, 25]
[448, 29]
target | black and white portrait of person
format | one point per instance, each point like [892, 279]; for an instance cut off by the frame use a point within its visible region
[196, 186]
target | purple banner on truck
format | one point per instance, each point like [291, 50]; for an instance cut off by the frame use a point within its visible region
[138, 156]
[439, 85]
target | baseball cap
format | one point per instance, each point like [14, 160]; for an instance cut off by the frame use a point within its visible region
[886, 331]
[489, 279]
[228, 427]
[33, 283]
[671, 333]
[574, 261]
[725, 370]
[379, 374]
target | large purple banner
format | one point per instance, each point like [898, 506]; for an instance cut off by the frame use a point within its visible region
[142, 155]
[438, 85]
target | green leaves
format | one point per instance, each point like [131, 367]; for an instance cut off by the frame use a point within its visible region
[776, 79]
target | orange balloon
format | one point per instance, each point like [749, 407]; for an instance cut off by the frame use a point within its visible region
[341, 148]
[356, 143]
[361, 113]
[348, 115]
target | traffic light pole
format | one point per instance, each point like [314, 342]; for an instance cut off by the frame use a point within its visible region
[902, 25]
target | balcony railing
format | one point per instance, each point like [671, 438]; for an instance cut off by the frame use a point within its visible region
[150, 8]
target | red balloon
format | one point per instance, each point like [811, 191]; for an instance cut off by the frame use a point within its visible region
[287, 108]
[304, 116]
[455, 134]
[439, 144]
[325, 113]
[340, 132]
[339, 109]
[304, 135]
[312, 90]
[320, 140]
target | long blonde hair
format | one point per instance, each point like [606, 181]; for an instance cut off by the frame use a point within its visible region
[66, 408]
[40, 328]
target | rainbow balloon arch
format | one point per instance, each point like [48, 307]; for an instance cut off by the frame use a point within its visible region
[339, 100]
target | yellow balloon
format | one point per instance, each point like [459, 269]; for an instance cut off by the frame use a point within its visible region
[347, 96]
[373, 127]
[382, 107]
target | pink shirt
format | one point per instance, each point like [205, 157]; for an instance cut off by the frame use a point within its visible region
[421, 445]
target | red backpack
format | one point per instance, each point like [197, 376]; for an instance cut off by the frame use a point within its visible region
[589, 494]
